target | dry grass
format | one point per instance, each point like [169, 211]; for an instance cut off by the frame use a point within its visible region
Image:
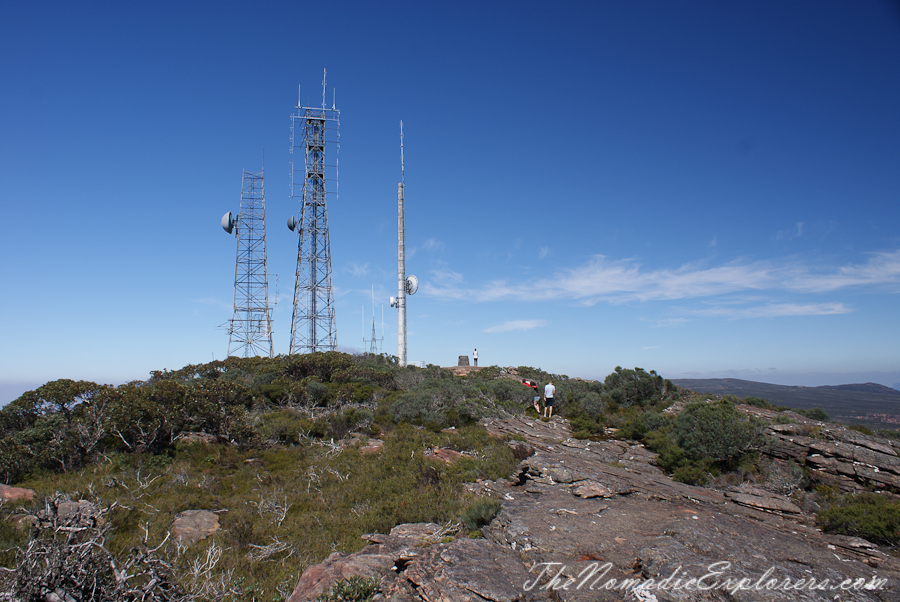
[281, 509]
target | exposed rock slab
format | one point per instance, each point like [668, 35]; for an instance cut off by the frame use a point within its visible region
[12, 494]
[574, 507]
[764, 501]
[193, 525]
[444, 454]
[848, 459]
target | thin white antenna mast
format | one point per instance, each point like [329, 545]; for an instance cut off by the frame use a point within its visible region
[405, 286]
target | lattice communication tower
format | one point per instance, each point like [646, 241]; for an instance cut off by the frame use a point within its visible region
[374, 342]
[250, 328]
[313, 182]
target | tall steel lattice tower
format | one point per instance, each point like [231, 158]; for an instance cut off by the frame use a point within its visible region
[250, 328]
[312, 183]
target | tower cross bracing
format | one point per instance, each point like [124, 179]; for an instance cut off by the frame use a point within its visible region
[313, 182]
[250, 328]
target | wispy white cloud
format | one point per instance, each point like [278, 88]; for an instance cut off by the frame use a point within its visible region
[444, 284]
[792, 233]
[617, 281]
[713, 242]
[776, 310]
[432, 244]
[543, 252]
[358, 269]
[516, 325]
[669, 322]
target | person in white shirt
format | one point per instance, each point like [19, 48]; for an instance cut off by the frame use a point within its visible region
[475, 356]
[549, 391]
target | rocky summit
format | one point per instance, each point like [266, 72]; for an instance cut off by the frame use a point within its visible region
[599, 521]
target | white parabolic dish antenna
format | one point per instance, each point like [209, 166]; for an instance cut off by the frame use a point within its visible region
[412, 285]
[228, 222]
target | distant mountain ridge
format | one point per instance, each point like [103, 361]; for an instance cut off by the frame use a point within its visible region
[870, 404]
[864, 387]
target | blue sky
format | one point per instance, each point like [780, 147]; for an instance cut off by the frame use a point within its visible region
[706, 189]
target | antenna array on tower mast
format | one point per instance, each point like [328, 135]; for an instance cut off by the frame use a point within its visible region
[250, 328]
[313, 181]
[405, 286]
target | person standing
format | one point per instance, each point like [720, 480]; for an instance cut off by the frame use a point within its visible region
[537, 398]
[549, 392]
[475, 357]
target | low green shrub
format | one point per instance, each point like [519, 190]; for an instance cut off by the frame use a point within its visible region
[762, 403]
[639, 424]
[715, 431]
[480, 513]
[867, 515]
[695, 473]
[669, 455]
[584, 424]
[352, 589]
[281, 426]
[812, 414]
[889, 434]
[859, 428]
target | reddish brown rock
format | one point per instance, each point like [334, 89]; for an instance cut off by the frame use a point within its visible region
[401, 545]
[12, 494]
[444, 454]
[590, 489]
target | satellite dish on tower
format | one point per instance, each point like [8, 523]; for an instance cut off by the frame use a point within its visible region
[228, 222]
[412, 285]
[292, 223]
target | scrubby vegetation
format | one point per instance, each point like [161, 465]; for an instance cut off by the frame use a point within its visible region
[353, 589]
[256, 441]
[868, 515]
[278, 448]
[480, 513]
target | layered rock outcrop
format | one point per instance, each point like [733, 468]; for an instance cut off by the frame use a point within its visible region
[841, 457]
[600, 521]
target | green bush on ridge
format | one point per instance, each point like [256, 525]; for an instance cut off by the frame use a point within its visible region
[265, 451]
[867, 515]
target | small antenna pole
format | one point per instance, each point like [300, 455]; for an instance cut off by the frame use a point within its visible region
[324, 72]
